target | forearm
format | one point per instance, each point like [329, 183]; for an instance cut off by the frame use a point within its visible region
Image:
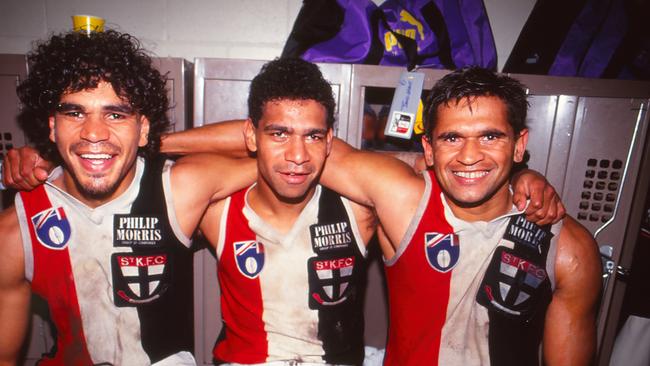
[224, 138]
[575, 344]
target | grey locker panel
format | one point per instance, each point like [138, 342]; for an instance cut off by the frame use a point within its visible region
[13, 69]
[221, 88]
[602, 170]
[179, 77]
[540, 120]
[595, 168]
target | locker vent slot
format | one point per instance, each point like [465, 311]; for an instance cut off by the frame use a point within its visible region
[599, 190]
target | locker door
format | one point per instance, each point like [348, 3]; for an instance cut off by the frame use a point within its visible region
[602, 171]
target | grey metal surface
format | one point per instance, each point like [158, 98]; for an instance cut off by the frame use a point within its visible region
[221, 89]
[180, 79]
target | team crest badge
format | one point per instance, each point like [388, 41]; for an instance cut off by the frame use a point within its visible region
[442, 251]
[139, 278]
[249, 256]
[329, 280]
[510, 283]
[52, 228]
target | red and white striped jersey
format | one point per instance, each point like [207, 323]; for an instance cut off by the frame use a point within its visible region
[291, 296]
[433, 282]
[74, 254]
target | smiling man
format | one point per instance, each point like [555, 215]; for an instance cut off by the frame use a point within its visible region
[470, 280]
[101, 241]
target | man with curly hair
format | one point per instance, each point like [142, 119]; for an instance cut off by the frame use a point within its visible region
[103, 242]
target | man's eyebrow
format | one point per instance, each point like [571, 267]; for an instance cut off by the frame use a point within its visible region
[321, 131]
[62, 107]
[493, 131]
[276, 127]
[121, 108]
[447, 134]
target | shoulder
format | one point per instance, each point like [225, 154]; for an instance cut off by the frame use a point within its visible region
[577, 257]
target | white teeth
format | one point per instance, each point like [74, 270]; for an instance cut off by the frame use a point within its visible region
[471, 175]
[96, 156]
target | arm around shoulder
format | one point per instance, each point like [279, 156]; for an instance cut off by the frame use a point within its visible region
[370, 178]
[14, 289]
[570, 326]
[200, 179]
[225, 138]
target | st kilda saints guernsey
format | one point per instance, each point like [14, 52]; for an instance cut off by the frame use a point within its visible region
[468, 293]
[292, 296]
[117, 278]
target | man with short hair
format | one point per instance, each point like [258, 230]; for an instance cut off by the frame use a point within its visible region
[470, 280]
[290, 252]
[103, 242]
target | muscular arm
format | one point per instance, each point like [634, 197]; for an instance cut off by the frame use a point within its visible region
[14, 289]
[225, 138]
[570, 326]
[378, 181]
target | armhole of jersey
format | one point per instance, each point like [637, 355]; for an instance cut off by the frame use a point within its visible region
[222, 228]
[169, 201]
[361, 245]
[26, 238]
[415, 221]
[552, 253]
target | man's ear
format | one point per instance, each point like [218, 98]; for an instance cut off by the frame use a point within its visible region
[520, 146]
[428, 150]
[51, 122]
[144, 131]
[249, 135]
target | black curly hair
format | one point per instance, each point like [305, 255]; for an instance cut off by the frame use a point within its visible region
[471, 82]
[292, 79]
[74, 61]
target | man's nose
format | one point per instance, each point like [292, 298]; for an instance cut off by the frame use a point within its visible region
[297, 151]
[470, 153]
[94, 129]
